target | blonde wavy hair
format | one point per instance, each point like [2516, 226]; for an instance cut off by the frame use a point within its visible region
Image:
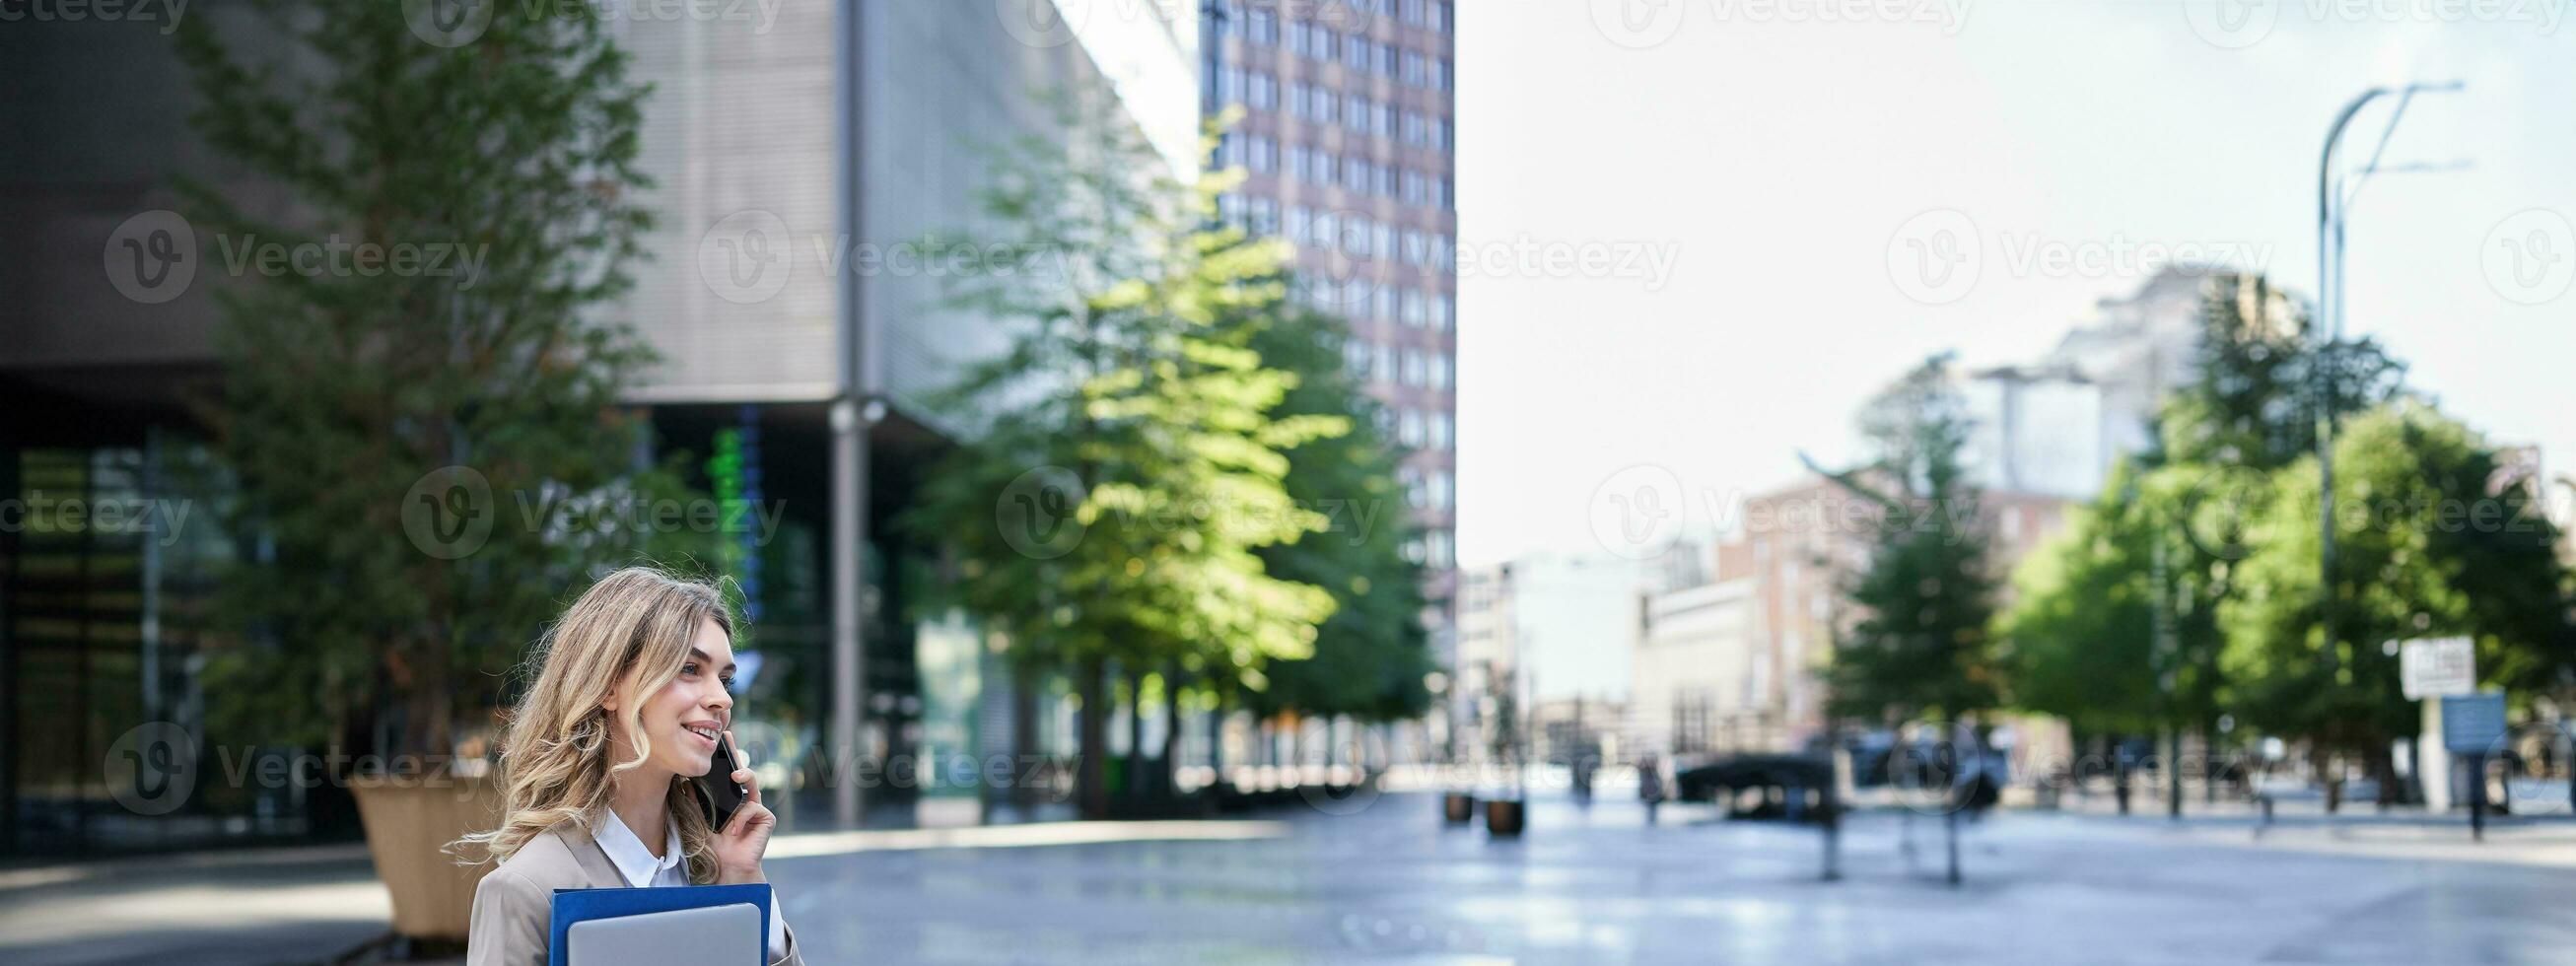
[634, 625]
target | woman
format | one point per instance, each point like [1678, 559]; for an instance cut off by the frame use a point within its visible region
[633, 692]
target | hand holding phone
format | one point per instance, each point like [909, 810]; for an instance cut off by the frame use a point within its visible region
[722, 795]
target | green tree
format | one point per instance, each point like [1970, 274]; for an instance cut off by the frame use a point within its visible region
[1922, 646]
[2433, 541]
[509, 158]
[2251, 411]
[2082, 635]
[1371, 656]
[2079, 639]
[2249, 402]
[1127, 450]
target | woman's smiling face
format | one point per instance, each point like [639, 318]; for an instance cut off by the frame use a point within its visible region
[686, 718]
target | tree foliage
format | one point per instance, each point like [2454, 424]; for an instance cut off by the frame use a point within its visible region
[1126, 473]
[1922, 647]
[2079, 640]
[2083, 631]
[2433, 540]
[1372, 655]
[510, 159]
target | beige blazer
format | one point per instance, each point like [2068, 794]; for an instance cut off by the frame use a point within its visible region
[514, 905]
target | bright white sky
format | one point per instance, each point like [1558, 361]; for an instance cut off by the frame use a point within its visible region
[1776, 160]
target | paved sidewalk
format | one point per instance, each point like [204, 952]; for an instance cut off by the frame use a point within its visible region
[310, 904]
[1387, 883]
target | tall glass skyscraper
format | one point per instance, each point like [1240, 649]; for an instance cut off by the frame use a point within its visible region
[1351, 148]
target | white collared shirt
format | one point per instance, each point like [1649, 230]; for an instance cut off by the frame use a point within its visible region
[641, 870]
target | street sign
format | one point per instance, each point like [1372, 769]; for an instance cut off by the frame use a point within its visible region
[2439, 668]
[2473, 724]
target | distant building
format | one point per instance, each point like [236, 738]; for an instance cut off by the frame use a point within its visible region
[1794, 551]
[2037, 430]
[2141, 348]
[1697, 687]
[1542, 629]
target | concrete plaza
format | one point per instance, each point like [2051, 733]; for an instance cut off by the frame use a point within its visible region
[1382, 881]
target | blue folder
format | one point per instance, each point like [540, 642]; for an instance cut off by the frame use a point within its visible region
[583, 905]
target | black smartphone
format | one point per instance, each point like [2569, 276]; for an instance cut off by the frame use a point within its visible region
[718, 788]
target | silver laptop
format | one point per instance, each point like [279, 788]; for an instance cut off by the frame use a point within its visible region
[705, 936]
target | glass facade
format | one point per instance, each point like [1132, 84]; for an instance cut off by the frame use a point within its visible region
[1348, 141]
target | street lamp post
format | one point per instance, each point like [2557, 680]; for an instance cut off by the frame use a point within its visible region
[2334, 202]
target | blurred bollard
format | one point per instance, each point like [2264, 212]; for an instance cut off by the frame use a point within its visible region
[1458, 808]
[1504, 818]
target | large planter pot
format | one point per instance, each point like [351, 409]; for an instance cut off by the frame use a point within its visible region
[1505, 818]
[1458, 808]
[409, 822]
